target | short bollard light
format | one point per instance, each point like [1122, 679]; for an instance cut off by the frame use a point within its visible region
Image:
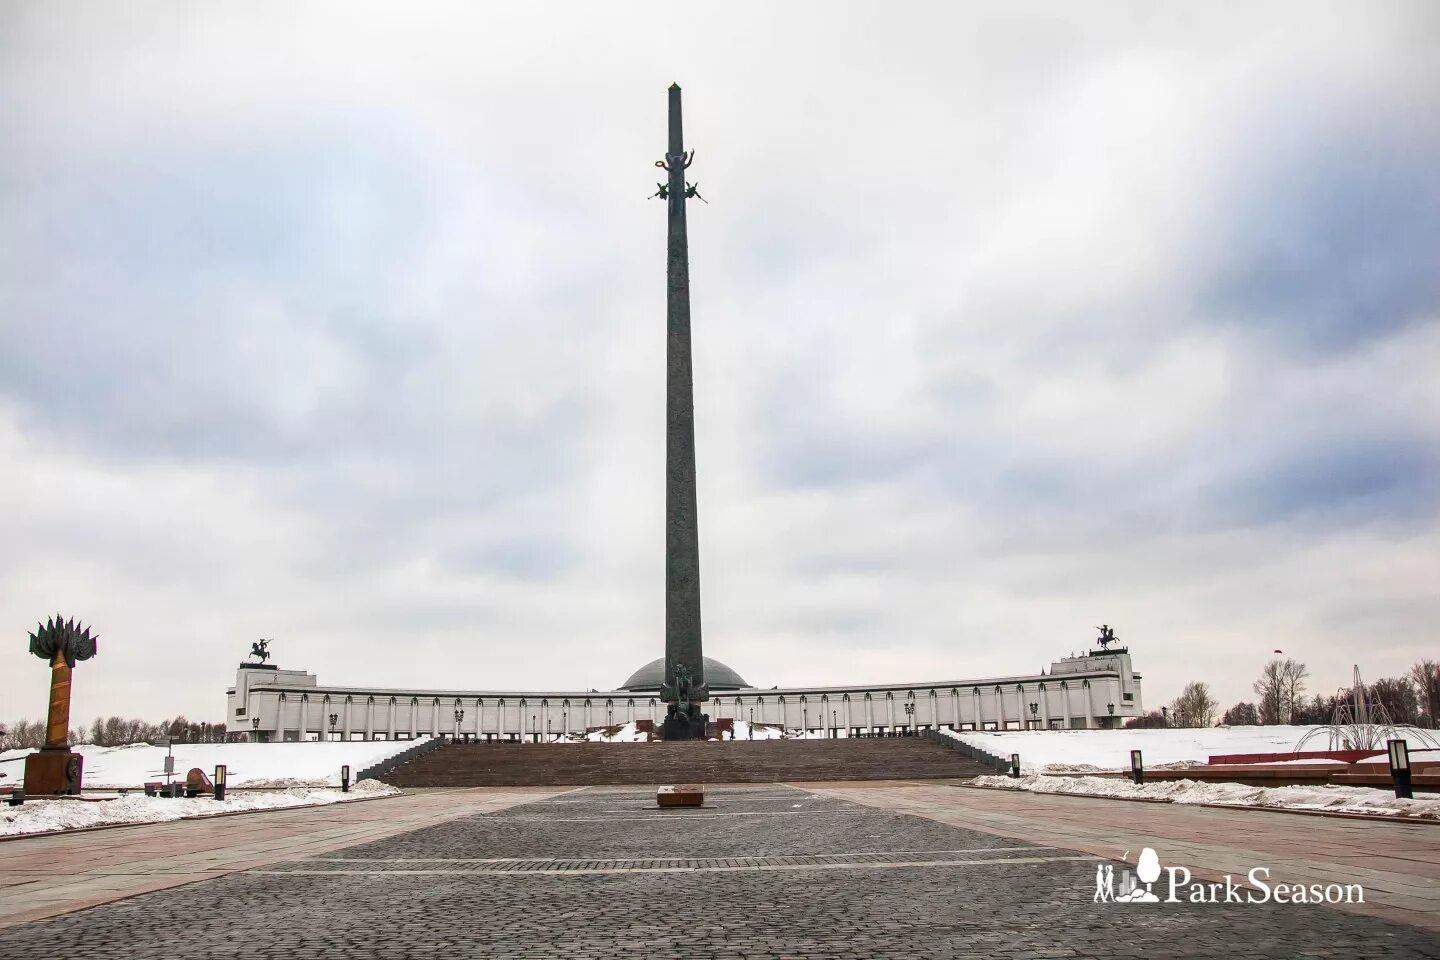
[345, 778]
[1015, 766]
[1400, 769]
[1137, 767]
[220, 782]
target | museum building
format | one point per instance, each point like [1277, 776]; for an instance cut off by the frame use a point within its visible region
[1096, 690]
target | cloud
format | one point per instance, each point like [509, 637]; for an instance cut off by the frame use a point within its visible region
[1007, 323]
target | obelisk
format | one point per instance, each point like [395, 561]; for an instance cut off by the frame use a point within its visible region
[685, 685]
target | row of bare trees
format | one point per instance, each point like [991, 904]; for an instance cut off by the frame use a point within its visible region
[1281, 698]
[1413, 698]
[114, 732]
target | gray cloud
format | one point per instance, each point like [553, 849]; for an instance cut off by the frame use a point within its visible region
[350, 333]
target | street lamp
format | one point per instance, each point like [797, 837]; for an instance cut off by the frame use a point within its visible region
[334, 719]
[565, 722]
[750, 731]
[805, 719]
[255, 725]
[533, 726]
[1034, 709]
[1400, 775]
[459, 718]
[834, 732]
[909, 715]
[1111, 708]
[1165, 716]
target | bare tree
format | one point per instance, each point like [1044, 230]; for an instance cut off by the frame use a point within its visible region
[1397, 696]
[1243, 714]
[24, 735]
[1281, 688]
[1145, 721]
[1195, 707]
[1426, 677]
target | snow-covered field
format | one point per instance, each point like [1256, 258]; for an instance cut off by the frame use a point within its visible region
[246, 764]
[36, 816]
[1093, 751]
[1327, 798]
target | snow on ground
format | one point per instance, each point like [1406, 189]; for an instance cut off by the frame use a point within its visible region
[1093, 751]
[1332, 799]
[35, 816]
[624, 733]
[763, 731]
[246, 764]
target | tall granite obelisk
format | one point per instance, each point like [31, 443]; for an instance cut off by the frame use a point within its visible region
[685, 687]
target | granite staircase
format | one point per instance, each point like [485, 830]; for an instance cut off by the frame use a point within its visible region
[730, 761]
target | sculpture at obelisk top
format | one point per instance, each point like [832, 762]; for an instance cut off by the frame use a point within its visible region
[684, 689]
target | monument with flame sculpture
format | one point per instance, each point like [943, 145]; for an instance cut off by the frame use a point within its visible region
[55, 769]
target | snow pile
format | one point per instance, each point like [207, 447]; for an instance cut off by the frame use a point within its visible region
[36, 816]
[246, 764]
[630, 733]
[1092, 751]
[1332, 799]
[761, 731]
[624, 733]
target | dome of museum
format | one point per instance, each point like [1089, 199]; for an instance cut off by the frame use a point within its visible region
[717, 676]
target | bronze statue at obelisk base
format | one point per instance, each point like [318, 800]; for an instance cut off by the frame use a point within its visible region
[55, 770]
[684, 688]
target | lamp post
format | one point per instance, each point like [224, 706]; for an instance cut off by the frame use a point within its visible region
[834, 731]
[565, 722]
[1399, 756]
[805, 719]
[534, 729]
[909, 715]
[1111, 707]
[1034, 709]
[459, 719]
[1165, 716]
[334, 719]
[255, 726]
[750, 729]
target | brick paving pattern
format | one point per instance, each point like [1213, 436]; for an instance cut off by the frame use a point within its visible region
[759, 872]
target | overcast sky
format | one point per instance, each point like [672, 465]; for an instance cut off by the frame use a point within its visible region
[345, 326]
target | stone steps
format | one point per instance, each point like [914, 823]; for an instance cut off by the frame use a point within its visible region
[731, 761]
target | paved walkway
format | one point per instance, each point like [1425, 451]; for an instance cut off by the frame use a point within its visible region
[1397, 863]
[45, 876]
[871, 871]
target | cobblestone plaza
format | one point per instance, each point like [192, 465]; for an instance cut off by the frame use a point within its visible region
[761, 871]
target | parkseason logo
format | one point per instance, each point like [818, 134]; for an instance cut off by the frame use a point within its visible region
[1145, 885]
